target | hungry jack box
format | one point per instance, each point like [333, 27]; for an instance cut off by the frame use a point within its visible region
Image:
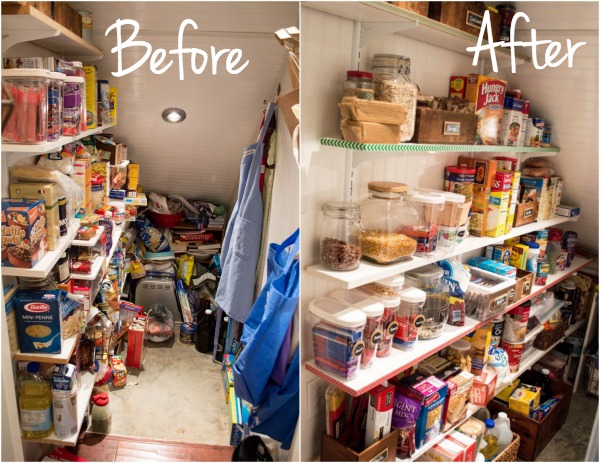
[487, 95]
[379, 415]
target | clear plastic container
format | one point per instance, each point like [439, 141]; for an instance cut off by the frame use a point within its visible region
[359, 84]
[505, 436]
[428, 278]
[458, 354]
[372, 334]
[337, 336]
[409, 318]
[435, 312]
[384, 215]
[388, 287]
[491, 439]
[430, 207]
[72, 101]
[388, 321]
[341, 231]
[35, 403]
[28, 123]
[56, 85]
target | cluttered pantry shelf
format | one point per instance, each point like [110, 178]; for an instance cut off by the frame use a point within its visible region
[66, 351]
[387, 367]
[370, 272]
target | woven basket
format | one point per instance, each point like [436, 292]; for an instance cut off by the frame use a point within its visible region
[546, 338]
[510, 452]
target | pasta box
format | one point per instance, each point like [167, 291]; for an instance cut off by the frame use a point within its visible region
[39, 320]
[24, 241]
[429, 423]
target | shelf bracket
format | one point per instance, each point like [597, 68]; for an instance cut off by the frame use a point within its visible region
[372, 30]
[20, 36]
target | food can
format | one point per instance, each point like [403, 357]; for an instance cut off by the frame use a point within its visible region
[62, 215]
[187, 333]
[497, 328]
[514, 352]
[515, 323]
[541, 276]
[64, 409]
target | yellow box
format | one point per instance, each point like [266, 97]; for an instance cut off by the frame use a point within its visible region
[518, 256]
[91, 96]
[112, 101]
[504, 394]
[133, 170]
[513, 241]
[524, 399]
[497, 214]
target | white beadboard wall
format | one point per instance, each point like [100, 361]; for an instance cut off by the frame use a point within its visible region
[201, 156]
[326, 55]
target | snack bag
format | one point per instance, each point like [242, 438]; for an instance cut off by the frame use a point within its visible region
[185, 268]
[480, 340]
[151, 236]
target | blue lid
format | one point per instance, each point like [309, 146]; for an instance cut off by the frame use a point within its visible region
[33, 367]
[533, 244]
[489, 423]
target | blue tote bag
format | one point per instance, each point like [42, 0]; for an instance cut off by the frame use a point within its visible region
[268, 321]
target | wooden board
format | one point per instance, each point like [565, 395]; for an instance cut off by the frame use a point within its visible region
[421, 8]
[454, 14]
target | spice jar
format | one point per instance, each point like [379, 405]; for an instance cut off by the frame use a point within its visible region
[359, 84]
[384, 214]
[430, 207]
[506, 13]
[458, 354]
[409, 318]
[341, 236]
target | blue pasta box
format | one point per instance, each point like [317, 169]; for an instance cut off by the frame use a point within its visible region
[568, 211]
[429, 423]
[39, 318]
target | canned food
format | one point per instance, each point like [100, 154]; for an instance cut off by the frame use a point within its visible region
[187, 333]
[515, 323]
[514, 352]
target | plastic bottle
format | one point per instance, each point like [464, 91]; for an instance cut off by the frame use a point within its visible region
[35, 403]
[204, 334]
[101, 414]
[546, 392]
[532, 256]
[222, 339]
[491, 438]
[502, 425]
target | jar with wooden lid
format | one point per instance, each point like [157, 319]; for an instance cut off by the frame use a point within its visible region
[384, 214]
[359, 84]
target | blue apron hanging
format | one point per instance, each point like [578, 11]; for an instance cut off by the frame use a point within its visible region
[268, 322]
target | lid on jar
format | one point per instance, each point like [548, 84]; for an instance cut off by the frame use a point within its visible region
[56, 75]
[388, 187]
[387, 301]
[395, 281]
[337, 313]
[100, 399]
[25, 73]
[427, 271]
[359, 300]
[75, 79]
[413, 295]
[359, 75]
[461, 345]
[423, 197]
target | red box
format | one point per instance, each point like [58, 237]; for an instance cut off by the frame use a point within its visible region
[458, 86]
[136, 337]
[379, 414]
[484, 387]
[502, 181]
[467, 443]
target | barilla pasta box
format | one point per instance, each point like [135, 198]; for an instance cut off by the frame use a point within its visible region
[39, 318]
[512, 122]
[429, 423]
[24, 236]
[379, 414]
[487, 96]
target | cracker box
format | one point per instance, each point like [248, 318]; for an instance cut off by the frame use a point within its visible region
[512, 122]
[49, 193]
[119, 371]
[541, 186]
[484, 388]
[39, 319]
[458, 87]
[459, 389]
[487, 96]
[524, 399]
[24, 237]
[525, 122]
[500, 253]
[497, 214]
[468, 444]
[379, 414]
[429, 423]
[446, 450]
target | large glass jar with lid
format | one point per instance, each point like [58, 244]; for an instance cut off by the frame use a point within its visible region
[384, 214]
[396, 87]
[341, 236]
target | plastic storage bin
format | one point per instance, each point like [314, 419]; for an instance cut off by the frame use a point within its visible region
[425, 232]
[337, 336]
[428, 278]
[435, 312]
[409, 318]
[28, 123]
[341, 236]
[56, 85]
[388, 287]
[73, 94]
[388, 321]
[487, 294]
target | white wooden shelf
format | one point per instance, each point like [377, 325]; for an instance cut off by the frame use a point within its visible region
[67, 349]
[368, 272]
[83, 398]
[96, 267]
[44, 266]
[92, 241]
[24, 23]
[399, 360]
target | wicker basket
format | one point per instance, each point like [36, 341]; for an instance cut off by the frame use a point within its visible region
[548, 337]
[510, 452]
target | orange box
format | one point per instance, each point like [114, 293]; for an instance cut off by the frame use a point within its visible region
[484, 387]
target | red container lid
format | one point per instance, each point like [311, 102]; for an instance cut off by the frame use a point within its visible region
[555, 234]
[100, 399]
[359, 75]
[460, 170]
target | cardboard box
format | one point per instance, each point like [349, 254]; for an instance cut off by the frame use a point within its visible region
[500, 253]
[466, 16]
[497, 214]
[524, 399]
[568, 211]
[512, 122]
[429, 423]
[139, 200]
[119, 371]
[458, 87]
[383, 450]
[459, 389]
[64, 376]
[227, 381]
[553, 197]
[446, 450]
[24, 240]
[49, 193]
[239, 412]
[379, 413]
[484, 388]
[11, 322]
[437, 126]
[468, 444]
[136, 342]
[503, 181]
[82, 175]
[533, 133]
[518, 256]
[525, 111]
[91, 96]
[485, 173]
[487, 95]
[111, 153]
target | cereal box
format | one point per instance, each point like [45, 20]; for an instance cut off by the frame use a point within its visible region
[518, 256]
[512, 122]
[429, 423]
[24, 238]
[497, 214]
[487, 95]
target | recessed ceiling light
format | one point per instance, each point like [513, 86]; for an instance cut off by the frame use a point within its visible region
[173, 115]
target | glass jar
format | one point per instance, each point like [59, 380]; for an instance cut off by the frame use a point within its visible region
[425, 232]
[506, 15]
[384, 214]
[341, 236]
[409, 318]
[458, 354]
[359, 84]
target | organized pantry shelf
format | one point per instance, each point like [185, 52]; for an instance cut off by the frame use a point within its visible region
[83, 397]
[398, 361]
[24, 23]
[67, 348]
[370, 272]
[373, 15]
[43, 267]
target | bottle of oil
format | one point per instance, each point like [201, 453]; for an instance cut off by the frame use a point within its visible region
[35, 403]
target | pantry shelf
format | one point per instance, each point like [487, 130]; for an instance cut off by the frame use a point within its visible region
[412, 25]
[83, 397]
[44, 266]
[96, 267]
[92, 241]
[67, 348]
[24, 23]
[369, 272]
[435, 148]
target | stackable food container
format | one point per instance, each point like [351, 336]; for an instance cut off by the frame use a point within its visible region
[435, 310]
[425, 232]
[487, 294]
[409, 318]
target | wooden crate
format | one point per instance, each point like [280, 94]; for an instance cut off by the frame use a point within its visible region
[536, 435]
[436, 126]
[465, 16]
[67, 17]
[384, 450]
[523, 285]
[44, 7]
[526, 213]
[421, 8]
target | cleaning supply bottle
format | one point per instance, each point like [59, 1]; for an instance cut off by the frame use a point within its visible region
[502, 425]
[35, 403]
[491, 439]
[204, 332]
[101, 414]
